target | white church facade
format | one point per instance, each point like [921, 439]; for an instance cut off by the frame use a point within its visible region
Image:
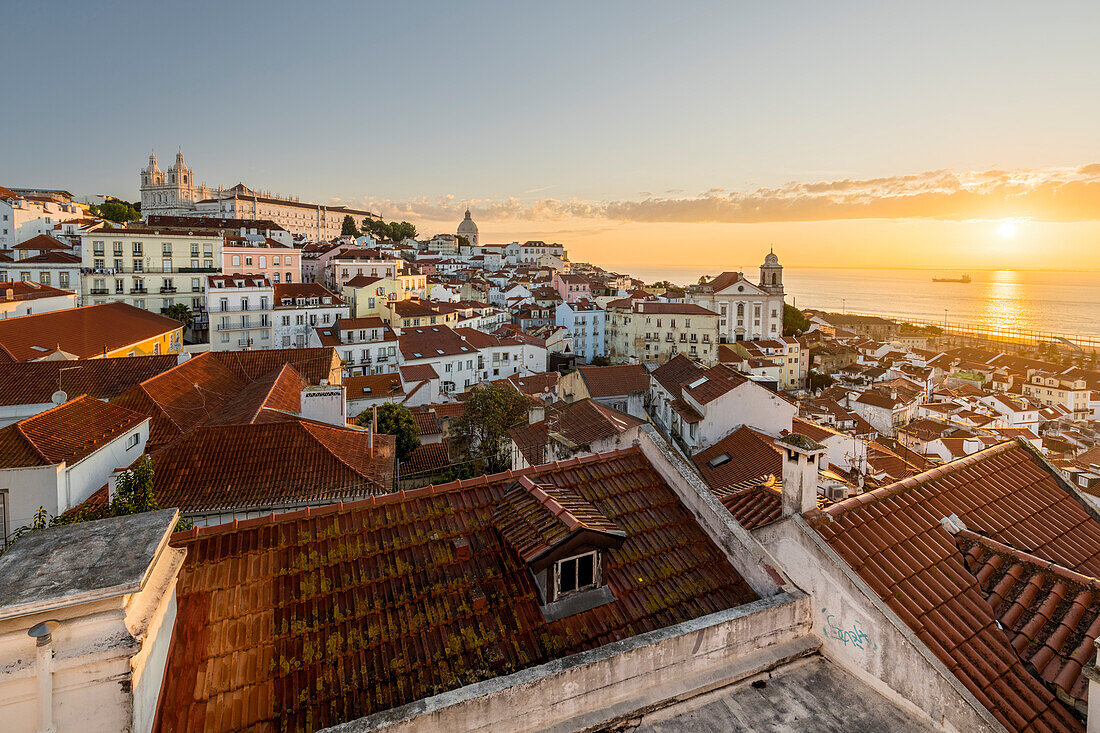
[746, 311]
[174, 193]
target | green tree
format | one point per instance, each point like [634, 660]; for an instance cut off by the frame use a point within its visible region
[600, 361]
[793, 321]
[349, 228]
[179, 312]
[820, 381]
[115, 210]
[393, 231]
[398, 421]
[482, 429]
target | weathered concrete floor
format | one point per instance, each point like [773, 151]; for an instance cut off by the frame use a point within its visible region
[808, 695]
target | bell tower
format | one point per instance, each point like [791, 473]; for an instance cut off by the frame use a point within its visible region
[771, 274]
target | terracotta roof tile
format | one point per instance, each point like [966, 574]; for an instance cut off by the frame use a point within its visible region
[83, 332]
[577, 424]
[713, 383]
[310, 619]
[610, 381]
[892, 537]
[263, 465]
[743, 455]
[426, 458]
[34, 382]
[676, 372]
[66, 433]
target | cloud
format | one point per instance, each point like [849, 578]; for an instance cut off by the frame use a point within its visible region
[1062, 195]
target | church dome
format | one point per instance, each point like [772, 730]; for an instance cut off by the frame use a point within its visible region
[467, 228]
[771, 259]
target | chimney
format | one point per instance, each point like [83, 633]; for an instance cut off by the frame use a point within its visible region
[536, 413]
[800, 464]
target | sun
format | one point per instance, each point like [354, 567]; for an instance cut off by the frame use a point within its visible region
[1007, 230]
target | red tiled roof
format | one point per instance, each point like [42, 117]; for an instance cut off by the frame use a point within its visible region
[304, 290]
[263, 465]
[314, 364]
[752, 456]
[372, 385]
[579, 423]
[183, 397]
[83, 332]
[892, 537]
[754, 505]
[431, 342]
[426, 422]
[1050, 613]
[417, 372]
[354, 609]
[536, 384]
[675, 372]
[42, 242]
[673, 309]
[66, 433]
[534, 517]
[426, 458]
[33, 382]
[54, 258]
[720, 379]
[611, 381]
[267, 399]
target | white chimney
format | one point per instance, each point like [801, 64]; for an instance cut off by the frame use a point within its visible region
[536, 413]
[800, 464]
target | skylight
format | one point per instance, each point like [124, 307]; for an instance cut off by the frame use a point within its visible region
[697, 383]
[416, 354]
[719, 460]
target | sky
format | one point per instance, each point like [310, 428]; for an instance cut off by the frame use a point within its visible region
[844, 134]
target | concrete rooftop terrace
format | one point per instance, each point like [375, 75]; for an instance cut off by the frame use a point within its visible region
[77, 563]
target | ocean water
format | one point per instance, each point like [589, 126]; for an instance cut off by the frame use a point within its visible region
[1039, 300]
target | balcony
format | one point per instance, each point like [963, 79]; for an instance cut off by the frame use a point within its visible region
[237, 309]
[242, 325]
[99, 291]
[197, 269]
[167, 289]
[139, 291]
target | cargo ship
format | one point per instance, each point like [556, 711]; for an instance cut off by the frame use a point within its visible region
[963, 279]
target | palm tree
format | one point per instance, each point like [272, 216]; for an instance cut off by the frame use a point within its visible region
[179, 312]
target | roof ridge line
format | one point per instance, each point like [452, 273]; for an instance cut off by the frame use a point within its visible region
[1054, 567]
[394, 497]
[883, 492]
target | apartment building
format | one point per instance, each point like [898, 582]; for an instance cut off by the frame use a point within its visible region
[784, 353]
[240, 312]
[586, 324]
[24, 215]
[1049, 388]
[262, 256]
[44, 260]
[654, 331]
[299, 308]
[148, 268]
[342, 267]
[366, 345]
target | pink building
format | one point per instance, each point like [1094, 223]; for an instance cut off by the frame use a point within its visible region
[571, 288]
[253, 256]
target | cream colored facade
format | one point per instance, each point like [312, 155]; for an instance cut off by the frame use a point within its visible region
[147, 268]
[650, 331]
[174, 193]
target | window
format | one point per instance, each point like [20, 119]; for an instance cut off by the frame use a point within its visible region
[236, 260]
[137, 249]
[132, 441]
[575, 574]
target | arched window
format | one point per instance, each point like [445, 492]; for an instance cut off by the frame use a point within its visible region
[774, 278]
[740, 310]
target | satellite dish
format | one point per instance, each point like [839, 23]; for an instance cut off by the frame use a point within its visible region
[59, 397]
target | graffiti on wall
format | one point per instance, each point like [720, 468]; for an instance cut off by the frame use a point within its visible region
[849, 634]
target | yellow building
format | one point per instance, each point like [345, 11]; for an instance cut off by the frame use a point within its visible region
[652, 331]
[370, 296]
